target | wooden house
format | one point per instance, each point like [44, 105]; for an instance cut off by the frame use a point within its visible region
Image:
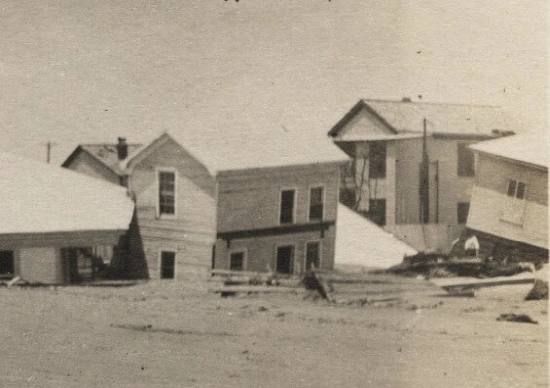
[509, 206]
[411, 170]
[55, 221]
[227, 201]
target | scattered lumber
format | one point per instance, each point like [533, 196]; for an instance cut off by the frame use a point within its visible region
[257, 289]
[13, 281]
[473, 283]
[522, 318]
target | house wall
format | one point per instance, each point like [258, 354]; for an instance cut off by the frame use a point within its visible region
[489, 199]
[41, 265]
[250, 201]
[191, 234]
[88, 165]
[363, 123]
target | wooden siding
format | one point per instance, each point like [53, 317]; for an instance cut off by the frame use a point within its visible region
[191, 233]
[362, 124]
[489, 199]
[88, 165]
[262, 251]
[251, 200]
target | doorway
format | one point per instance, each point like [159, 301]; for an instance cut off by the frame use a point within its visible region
[285, 259]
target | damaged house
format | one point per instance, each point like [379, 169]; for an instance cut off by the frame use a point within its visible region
[509, 206]
[412, 171]
[55, 222]
[263, 202]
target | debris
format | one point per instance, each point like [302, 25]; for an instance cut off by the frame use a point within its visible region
[522, 318]
[263, 308]
[539, 290]
[13, 281]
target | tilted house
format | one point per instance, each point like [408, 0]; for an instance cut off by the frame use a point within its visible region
[411, 170]
[509, 208]
[54, 221]
[219, 200]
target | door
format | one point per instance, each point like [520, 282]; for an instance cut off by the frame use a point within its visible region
[167, 265]
[7, 265]
[313, 255]
[285, 259]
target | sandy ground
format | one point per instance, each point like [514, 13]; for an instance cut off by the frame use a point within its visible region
[165, 335]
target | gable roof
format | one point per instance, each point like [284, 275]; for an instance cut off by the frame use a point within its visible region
[104, 153]
[528, 148]
[449, 119]
[43, 198]
[239, 149]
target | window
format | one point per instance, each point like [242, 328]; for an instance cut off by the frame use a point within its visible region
[167, 192]
[377, 211]
[514, 207]
[313, 255]
[285, 259]
[7, 267]
[287, 207]
[462, 209]
[465, 160]
[377, 159]
[316, 203]
[236, 261]
[167, 265]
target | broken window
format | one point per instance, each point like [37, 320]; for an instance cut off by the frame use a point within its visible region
[465, 160]
[167, 265]
[316, 203]
[377, 159]
[167, 192]
[7, 265]
[514, 207]
[462, 209]
[286, 215]
[236, 261]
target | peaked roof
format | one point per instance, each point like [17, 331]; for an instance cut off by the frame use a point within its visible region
[452, 119]
[220, 150]
[43, 198]
[104, 153]
[360, 241]
[529, 148]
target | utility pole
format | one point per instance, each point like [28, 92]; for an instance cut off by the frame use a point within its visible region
[49, 146]
[425, 180]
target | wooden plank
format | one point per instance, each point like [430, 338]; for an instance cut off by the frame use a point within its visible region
[261, 289]
[450, 283]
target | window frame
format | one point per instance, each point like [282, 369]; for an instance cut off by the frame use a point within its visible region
[323, 202]
[158, 171]
[293, 259]
[320, 243]
[295, 200]
[175, 263]
[244, 251]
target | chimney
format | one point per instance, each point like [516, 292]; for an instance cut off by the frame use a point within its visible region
[406, 99]
[122, 148]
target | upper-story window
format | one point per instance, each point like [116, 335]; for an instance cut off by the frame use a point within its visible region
[465, 160]
[377, 159]
[514, 206]
[286, 215]
[167, 192]
[316, 203]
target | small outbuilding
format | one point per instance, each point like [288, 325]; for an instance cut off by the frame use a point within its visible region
[54, 221]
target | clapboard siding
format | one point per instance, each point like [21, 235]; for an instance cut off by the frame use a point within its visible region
[251, 202]
[191, 233]
[489, 200]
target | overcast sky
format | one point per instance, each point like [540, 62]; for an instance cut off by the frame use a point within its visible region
[90, 71]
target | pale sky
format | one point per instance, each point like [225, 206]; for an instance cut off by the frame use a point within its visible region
[89, 71]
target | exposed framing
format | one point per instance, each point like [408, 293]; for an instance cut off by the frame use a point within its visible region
[158, 170]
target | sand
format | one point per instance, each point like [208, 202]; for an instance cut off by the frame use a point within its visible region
[163, 334]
